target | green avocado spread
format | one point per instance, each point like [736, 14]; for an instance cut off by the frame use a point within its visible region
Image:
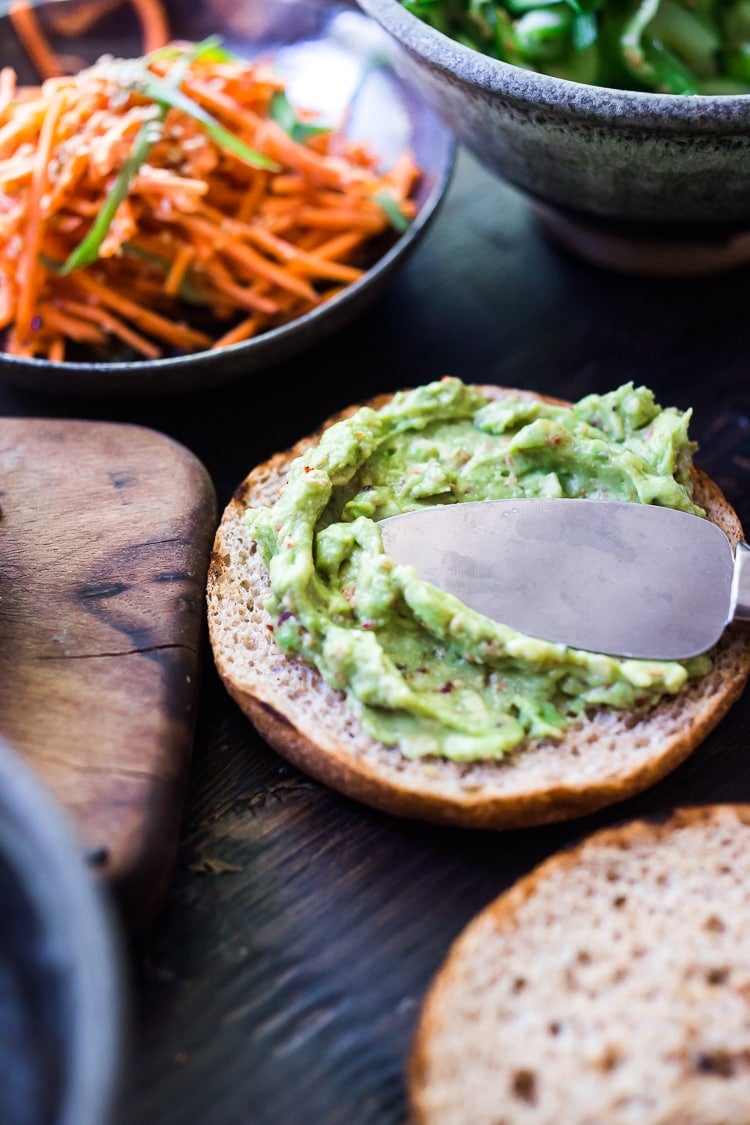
[421, 670]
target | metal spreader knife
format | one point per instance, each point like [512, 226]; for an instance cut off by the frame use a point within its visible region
[624, 579]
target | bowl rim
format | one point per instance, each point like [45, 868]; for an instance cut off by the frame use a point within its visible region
[496, 76]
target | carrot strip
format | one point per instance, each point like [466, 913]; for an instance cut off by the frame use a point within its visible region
[79, 330]
[7, 88]
[153, 24]
[248, 257]
[259, 265]
[282, 249]
[308, 263]
[16, 171]
[14, 346]
[29, 268]
[26, 26]
[86, 208]
[67, 178]
[333, 171]
[106, 155]
[115, 326]
[216, 101]
[276, 143]
[56, 350]
[7, 299]
[402, 176]
[181, 264]
[341, 218]
[23, 128]
[242, 331]
[339, 246]
[78, 20]
[253, 197]
[171, 332]
[243, 297]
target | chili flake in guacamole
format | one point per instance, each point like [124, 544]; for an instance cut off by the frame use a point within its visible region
[420, 669]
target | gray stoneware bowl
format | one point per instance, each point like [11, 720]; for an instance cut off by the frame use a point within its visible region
[602, 153]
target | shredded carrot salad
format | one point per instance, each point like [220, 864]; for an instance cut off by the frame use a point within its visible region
[148, 201]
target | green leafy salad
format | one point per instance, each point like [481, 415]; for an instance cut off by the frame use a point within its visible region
[666, 46]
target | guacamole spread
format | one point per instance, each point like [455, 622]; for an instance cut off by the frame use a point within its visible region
[422, 670]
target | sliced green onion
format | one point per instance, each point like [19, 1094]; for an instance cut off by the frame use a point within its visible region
[87, 251]
[632, 34]
[545, 33]
[392, 211]
[282, 112]
[687, 36]
[161, 92]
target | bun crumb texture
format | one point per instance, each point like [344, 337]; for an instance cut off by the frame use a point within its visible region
[609, 987]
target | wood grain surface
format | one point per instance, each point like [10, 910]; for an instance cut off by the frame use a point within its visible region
[105, 537]
[281, 982]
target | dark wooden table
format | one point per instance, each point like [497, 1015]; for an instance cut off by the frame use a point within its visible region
[282, 980]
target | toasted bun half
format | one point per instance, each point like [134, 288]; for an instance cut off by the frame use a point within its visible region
[611, 985]
[598, 761]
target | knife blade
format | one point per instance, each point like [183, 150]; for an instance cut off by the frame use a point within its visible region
[625, 579]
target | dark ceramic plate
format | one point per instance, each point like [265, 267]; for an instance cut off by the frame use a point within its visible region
[60, 1001]
[332, 57]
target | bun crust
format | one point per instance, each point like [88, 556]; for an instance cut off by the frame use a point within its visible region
[630, 1006]
[599, 760]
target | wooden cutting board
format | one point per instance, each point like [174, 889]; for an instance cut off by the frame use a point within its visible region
[105, 533]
